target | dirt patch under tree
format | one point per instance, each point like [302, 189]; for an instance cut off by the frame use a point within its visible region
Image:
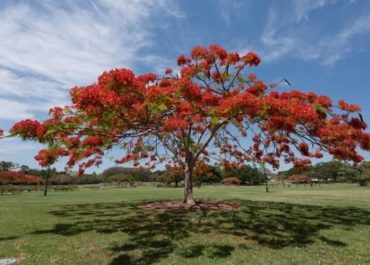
[201, 205]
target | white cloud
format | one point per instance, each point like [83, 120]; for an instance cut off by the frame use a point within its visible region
[22, 96]
[360, 26]
[303, 8]
[48, 46]
[46, 49]
[19, 152]
[15, 148]
[276, 45]
[296, 37]
[13, 110]
[231, 9]
[334, 47]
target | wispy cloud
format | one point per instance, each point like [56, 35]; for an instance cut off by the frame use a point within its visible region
[230, 9]
[290, 34]
[303, 8]
[9, 150]
[335, 46]
[275, 43]
[13, 110]
[47, 48]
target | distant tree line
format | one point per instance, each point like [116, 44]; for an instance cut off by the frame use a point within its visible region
[8, 168]
[332, 171]
[204, 174]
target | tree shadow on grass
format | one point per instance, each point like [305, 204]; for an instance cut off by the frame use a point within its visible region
[154, 235]
[8, 238]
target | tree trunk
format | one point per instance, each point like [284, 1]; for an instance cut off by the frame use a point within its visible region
[47, 182]
[266, 180]
[363, 182]
[188, 189]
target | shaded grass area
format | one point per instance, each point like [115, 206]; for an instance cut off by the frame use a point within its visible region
[107, 227]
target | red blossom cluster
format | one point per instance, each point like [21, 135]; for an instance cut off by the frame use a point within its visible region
[47, 157]
[348, 107]
[251, 59]
[115, 79]
[31, 129]
[173, 124]
[91, 141]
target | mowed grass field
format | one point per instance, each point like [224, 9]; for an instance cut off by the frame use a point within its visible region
[297, 225]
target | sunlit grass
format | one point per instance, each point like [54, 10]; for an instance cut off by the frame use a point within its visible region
[297, 225]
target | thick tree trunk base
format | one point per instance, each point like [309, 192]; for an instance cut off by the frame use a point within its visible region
[188, 201]
[188, 186]
[188, 197]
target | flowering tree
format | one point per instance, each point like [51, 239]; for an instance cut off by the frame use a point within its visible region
[13, 177]
[231, 180]
[300, 179]
[213, 109]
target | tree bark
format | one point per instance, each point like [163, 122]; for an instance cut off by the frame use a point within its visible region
[47, 182]
[188, 189]
[265, 175]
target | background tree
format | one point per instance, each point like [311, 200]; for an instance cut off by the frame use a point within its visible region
[136, 174]
[7, 166]
[24, 168]
[204, 173]
[121, 178]
[62, 179]
[347, 173]
[295, 171]
[297, 179]
[231, 180]
[364, 173]
[171, 175]
[205, 112]
[247, 175]
[326, 170]
[13, 177]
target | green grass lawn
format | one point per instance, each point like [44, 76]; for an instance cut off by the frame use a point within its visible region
[297, 225]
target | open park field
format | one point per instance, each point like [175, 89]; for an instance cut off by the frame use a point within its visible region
[107, 107]
[297, 225]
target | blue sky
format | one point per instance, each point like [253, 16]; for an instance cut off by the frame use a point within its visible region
[47, 47]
